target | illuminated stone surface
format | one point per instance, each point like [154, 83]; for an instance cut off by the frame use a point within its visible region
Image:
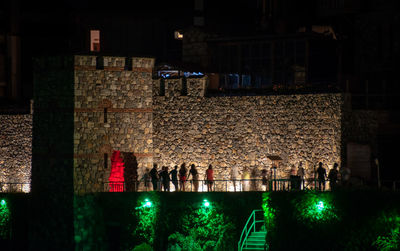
[117, 109]
[15, 150]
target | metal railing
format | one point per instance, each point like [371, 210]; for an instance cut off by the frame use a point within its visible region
[15, 187]
[393, 185]
[242, 185]
[248, 229]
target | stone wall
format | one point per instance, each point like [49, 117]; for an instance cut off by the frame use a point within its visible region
[15, 151]
[243, 131]
[118, 109]
[113, 111]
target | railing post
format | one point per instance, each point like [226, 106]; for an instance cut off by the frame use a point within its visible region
[254, 220]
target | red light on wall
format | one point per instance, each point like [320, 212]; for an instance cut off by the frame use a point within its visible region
[116, 178]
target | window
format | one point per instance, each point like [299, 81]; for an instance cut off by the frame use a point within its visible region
[95, 40]
[105, 115]
[105, 161]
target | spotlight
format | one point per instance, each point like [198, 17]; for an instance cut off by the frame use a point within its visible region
[147, 203]
[206, 203]
[320, 206]
[3, 202]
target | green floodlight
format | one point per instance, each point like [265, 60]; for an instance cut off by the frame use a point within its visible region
[206, 203]
[147, 203]
[3, 202]
[320, 206]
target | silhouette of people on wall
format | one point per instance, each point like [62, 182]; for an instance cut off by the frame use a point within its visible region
[195, 177]
[174, 177]
[301, 174]
[333, 176]
[165, 178]
[246, 179]
[209, 178]
[321, 172]
[154, 177]
[182, 177]
[146, 179]
[234, 176]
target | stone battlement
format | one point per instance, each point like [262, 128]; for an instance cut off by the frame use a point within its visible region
[190, 87]
[116, 63]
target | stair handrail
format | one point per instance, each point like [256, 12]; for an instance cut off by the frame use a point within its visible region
[248, 230]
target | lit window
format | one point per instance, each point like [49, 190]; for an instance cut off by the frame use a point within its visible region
[178, 35]
[94, 40]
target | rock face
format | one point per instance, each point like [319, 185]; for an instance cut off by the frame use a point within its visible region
[15, 151]
[119, 109]
[242, 131]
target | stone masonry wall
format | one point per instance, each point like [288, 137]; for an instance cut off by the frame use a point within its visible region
[15, 151]
[242, 131]
[113, 111]
[118, 109]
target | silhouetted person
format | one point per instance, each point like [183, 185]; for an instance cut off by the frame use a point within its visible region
[254, 177]
[234, 176]
[174, 177]
[209, 178]
[195, 177]
[154, 177]
[146, 179]
[321, 177]
[165, 178]
[333, 176]
[293, 178]
[182, 176]
[345, 175]
[301, 174]
[264, 179]
[246, 179]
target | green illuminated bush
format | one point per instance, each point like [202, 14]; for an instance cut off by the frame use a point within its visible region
[269, 211]
[314, 207]
[391, 240]
[146, 212]
[204, 229]
[142, 247]
[4, 220]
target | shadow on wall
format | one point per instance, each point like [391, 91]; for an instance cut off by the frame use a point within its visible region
[130, 173]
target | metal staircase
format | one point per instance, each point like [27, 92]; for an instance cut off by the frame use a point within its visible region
[253, 234]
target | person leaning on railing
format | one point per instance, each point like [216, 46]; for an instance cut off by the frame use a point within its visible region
[195, 177]
[209, 178]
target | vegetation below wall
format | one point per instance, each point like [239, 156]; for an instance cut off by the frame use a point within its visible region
[356, 220]
[123, 221]
[332, 221]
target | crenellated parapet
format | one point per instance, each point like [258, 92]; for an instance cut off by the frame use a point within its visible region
[135, 64]
[178, 87]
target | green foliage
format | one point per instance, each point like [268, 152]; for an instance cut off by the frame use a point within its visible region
[89, 233]
[142, 247]
[204, 229]
[4, 220]
[269, 211]
[314, 207]
[146, 212]
[390, 241]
